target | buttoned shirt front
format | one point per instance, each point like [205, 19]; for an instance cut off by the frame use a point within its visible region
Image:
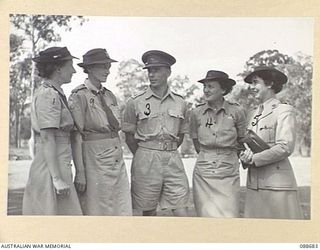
[87, 110]
[48, 110]
[151, 117]
[218, 128]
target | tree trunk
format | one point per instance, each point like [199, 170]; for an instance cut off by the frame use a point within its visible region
[17, 119]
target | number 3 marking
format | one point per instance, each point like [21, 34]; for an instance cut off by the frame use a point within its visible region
[148, 109]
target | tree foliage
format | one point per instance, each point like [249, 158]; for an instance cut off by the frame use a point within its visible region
[29, 35]
[297, 91]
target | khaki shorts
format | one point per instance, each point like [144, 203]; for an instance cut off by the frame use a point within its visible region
[158, 178]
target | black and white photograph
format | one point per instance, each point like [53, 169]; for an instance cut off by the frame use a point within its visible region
[160, 116]
[158, 121]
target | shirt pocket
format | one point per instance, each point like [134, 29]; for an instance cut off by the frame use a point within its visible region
[227, 131]
[148, 124]
[267, 133]
[220, 168]
[174, 119]
[277, 178]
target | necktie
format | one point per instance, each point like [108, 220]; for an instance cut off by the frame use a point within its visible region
[113, 122]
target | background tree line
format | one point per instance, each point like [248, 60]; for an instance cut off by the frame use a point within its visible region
[32, 33]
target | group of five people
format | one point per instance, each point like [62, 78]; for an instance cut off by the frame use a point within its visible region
[86, 128]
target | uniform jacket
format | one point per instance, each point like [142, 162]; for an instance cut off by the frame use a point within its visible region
[276, 126]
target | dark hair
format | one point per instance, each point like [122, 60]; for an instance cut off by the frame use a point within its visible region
[226, 87]
[86, 67]
[269, 80]
[46, 69]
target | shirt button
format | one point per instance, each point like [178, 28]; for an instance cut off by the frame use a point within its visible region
[116, 147]
[117, 161]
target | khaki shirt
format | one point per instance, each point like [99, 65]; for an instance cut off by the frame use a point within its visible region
[87, 109]
[150, 117]
[48, 109]
[218, 128]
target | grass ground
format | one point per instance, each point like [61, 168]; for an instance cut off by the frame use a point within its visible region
[18, 171]
[15, 203]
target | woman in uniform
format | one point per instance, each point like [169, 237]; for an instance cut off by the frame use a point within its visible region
[215, 127]
[50, 190]
[102, 179]
[271, 184]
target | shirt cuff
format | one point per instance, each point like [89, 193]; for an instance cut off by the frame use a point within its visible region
[128, 127]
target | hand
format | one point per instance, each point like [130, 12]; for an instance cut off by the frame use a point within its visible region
[61, 187]
[80, 182]
[246, 156]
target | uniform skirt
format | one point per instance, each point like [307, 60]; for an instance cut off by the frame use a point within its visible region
[216, 183]
[107, 191]
[275, 204]
[40, 196]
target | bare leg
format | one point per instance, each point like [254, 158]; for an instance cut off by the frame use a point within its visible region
[180, 212]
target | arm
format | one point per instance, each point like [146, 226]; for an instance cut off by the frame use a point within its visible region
[181, 136]
[129, 125]
[193, 131]
[241, 126]
[131, 142]
[76, 145]
[77, 105]
[50, 155]
[47, 106]
[196, 145]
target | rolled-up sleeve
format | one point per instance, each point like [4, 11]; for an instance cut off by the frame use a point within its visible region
[193, 126]
[184, 126]
[77, 108]
[48, 109]
[241, 123]
[129, 121]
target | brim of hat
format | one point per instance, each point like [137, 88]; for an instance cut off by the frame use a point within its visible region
[282, 78]
[97, 62]
[156, 65]
[38, 59]
[222, 80]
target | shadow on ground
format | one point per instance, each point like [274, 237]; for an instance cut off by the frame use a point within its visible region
[15, 203]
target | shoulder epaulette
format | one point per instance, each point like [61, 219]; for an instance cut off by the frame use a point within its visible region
[138, 94]
[177, 94]
[233, 103]
[107, 89]
[112, 95]
[46, 85]
[285, 102]
[80, 87]
[200, 104]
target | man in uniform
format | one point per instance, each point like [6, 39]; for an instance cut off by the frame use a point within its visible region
[154, 124]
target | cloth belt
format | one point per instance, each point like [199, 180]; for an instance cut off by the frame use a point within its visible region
[159, 145]
[99, 136]
[65, 139]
